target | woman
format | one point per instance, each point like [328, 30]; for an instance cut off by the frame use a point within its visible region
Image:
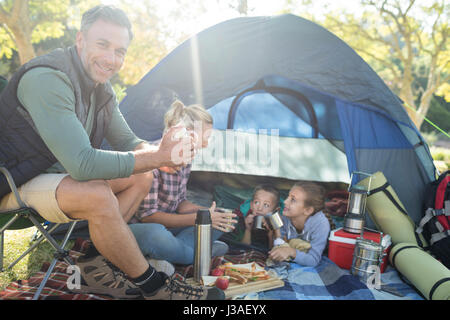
[164, 223]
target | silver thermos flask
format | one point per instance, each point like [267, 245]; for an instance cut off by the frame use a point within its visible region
[203, 244]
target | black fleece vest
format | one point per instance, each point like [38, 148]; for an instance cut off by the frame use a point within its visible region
[22, 150]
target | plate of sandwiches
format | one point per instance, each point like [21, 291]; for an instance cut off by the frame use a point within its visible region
[243, 273]
[243, 279]
[239, 273]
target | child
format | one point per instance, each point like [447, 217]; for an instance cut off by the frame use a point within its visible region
[164, 223]
[265, 200]
[302, 218]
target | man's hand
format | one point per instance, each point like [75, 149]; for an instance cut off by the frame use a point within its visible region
[176, 147]
[221, 220]
[171, 152]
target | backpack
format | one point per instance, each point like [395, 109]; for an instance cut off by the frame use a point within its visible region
[435, 225]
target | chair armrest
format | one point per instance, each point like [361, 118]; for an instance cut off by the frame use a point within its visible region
[12, 185]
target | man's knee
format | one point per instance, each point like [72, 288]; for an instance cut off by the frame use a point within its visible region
[100, 195]
[87, 199]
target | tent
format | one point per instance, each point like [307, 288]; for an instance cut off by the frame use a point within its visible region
[292, 100]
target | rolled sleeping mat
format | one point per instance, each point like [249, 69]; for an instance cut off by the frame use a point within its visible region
[387, 211]
[427, 274]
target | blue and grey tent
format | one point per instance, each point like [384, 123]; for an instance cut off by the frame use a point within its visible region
[292, 92]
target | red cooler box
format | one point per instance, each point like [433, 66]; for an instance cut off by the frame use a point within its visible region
[342, 244]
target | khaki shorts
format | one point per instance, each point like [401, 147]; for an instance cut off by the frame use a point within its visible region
[40, 194]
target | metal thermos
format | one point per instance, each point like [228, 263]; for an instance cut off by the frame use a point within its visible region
[203, 244]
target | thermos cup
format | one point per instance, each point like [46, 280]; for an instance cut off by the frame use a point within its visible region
[274, 220]
[258, 222]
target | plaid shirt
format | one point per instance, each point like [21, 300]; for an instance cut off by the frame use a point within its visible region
[167, 192]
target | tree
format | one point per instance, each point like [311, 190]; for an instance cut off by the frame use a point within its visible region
[406, 43]
[27, 22]
[14, 15]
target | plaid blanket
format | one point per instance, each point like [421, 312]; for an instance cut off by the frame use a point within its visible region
[329, 282]
[56, 287]
[324, 282]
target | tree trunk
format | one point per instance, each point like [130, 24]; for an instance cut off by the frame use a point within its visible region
[407, 95]
[423, 108]
[23, 43]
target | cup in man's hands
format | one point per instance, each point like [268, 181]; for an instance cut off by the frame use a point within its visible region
[230, 224]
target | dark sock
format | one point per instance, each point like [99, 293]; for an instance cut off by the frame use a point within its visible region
[149, 281]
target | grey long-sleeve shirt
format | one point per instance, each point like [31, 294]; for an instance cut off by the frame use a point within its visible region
[315, 231]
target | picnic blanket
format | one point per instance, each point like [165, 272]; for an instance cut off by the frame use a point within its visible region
[329, 282]
[324, 282]
[56, 287]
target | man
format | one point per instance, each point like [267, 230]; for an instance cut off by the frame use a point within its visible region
[54, 114]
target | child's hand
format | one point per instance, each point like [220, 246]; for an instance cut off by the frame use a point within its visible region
[282, 253]
[249, 221]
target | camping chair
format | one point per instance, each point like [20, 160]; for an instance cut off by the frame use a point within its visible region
[24, 217]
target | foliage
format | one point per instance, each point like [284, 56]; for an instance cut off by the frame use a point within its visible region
[155, 34]
[48, 17]
[6, 44]
[147, 47]
[439, 113]
[120, 91]
[441, 157]
[26, 23]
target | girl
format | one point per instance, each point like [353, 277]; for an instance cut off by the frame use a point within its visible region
[302, 218]
[164, 223]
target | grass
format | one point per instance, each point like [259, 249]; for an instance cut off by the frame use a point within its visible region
[441, 157]
[16, 242]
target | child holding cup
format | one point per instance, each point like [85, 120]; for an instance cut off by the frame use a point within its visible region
[302, 219]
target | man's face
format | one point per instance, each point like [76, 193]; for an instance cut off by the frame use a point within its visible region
[102, 49]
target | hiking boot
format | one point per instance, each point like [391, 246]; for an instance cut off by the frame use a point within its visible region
[99, 276]
[219, 248]
[175, 289]
[162, 266]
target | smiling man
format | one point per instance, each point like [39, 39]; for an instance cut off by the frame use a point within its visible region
[102, 47]
[54, 114]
